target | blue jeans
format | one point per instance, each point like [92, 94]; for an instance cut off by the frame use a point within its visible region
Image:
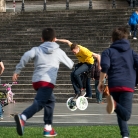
[1, 112]
[123, 110]
[44, 99]
[76, 76]
[99, 95]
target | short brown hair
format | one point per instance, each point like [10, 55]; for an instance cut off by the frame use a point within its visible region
[73, 46]
[48, 34]
[119, 33]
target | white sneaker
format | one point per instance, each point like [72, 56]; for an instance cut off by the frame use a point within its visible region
[110, 104]
[125, 137]
[134, 38]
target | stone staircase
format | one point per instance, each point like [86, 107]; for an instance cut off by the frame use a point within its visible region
[21, 31]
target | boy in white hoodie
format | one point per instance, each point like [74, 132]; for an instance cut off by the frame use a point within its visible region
[47, 58]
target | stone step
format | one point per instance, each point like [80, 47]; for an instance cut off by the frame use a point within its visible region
[58, 87]
[95, 24]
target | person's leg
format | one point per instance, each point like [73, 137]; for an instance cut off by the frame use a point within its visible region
[48, 117]
[131, 29]
[1, 112]
[134, 3]
[96, 90]
[135, 31]
[74, 83]
[88, 88]
[40, 101]
[49, 109]
[98, 94]
[84, 67]
[123, 110]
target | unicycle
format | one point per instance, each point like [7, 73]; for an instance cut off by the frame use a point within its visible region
[81, 103]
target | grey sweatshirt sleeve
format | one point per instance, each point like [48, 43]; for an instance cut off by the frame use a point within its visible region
[24, 60]
[66, 60]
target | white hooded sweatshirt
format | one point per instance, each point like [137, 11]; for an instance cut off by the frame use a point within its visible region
[47, 58]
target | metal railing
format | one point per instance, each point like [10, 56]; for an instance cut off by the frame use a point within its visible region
[67, 4]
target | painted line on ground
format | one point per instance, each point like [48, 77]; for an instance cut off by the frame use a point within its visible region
[62, 115]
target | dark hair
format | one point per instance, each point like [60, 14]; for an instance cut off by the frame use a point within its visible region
[73, 46]
[48, 34]
[119, 33]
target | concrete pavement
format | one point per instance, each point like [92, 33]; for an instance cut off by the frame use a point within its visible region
[95, 114]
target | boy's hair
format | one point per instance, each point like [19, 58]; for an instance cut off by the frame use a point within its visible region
[119, 33]
[73, 46]
[48, 34]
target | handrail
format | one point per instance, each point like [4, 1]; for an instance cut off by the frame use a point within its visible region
[90, 6]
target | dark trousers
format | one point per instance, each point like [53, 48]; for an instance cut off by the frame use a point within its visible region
[44, 99]
[133, 3]
[134, 30]
[123, 110]
[76, 76]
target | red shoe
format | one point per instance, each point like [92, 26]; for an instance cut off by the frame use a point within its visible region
[49, 133]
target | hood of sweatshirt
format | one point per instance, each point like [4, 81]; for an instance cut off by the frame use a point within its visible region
[121, 45]
[49, 47]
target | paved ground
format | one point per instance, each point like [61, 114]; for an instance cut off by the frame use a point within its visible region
[95, 114]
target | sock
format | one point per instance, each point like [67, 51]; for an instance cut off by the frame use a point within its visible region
[23, 117]
[48, 127]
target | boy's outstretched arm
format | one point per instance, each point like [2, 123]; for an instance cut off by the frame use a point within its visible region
[64, 41]
[23, 61]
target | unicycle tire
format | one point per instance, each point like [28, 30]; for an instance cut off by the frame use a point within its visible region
[71, 105]
[82, 103]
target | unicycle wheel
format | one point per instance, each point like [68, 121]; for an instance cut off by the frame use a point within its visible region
[71, 105]
[82, 103]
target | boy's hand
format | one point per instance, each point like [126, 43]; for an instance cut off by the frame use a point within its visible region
[56, 39]
[15, 77]
[100, 87]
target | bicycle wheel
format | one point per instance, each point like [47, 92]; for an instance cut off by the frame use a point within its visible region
[3, 98]
[3, 94]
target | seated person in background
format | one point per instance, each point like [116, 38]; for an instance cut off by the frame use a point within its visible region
[86, 61]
